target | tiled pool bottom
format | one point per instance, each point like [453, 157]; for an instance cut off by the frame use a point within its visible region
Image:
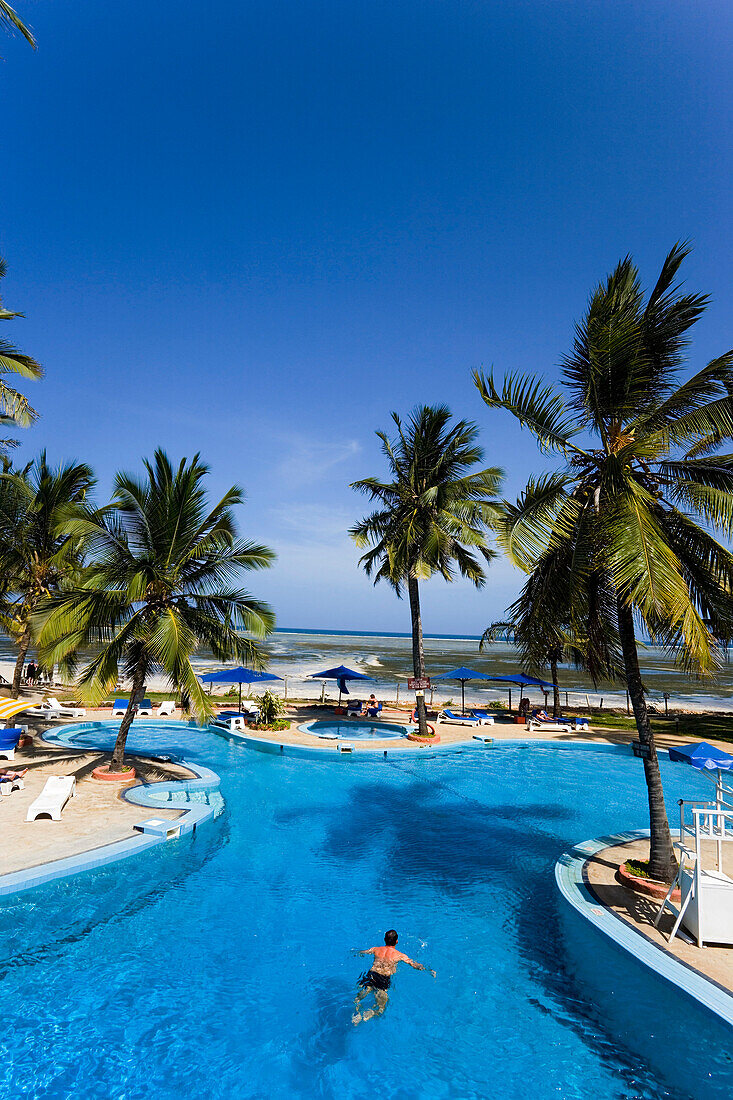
[224, 966]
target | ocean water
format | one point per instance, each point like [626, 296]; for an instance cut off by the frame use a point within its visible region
[387, 658]
[224, 966]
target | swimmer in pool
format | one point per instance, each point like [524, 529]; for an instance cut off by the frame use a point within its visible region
[377, 979]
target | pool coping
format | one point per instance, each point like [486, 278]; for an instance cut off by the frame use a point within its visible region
[328, 748]
[571, 880]
[15, 882]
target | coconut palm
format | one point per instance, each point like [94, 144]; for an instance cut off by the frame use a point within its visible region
[630, 513]
[37, 556]
[12, 22]
[159, 585]
[14, 408]
[554, 618]
[432, 517]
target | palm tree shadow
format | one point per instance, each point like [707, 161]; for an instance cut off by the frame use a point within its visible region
[451, 844]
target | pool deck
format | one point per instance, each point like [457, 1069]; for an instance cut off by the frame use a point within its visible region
[503, 729]
[639, 911]
[95, 817]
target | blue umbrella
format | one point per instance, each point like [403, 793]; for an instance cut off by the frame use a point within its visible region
[703, 756]
[463, 674]
[237, 676]
[342, 674]
[523, 681]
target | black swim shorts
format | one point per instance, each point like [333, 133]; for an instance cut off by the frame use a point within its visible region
[374, 980]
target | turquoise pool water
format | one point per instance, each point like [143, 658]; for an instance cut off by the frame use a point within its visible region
[222, 966]
[355, 730]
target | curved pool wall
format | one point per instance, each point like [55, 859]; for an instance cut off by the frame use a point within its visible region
[350, 730]
[457, 848]
[191, 795]
[658, 1005]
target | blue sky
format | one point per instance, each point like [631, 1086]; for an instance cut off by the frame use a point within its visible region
[254, 229]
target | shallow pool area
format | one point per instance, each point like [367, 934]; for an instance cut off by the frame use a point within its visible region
[224, 965]
[354, 729]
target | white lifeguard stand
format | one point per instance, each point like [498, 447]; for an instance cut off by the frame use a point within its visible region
[706, 896]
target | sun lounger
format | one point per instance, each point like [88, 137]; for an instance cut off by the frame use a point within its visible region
[486, 718]
[9, 739]
[12, 781]
[552, 725]
[374, 712]
[119, 708]
[144, 709]
[166, 708]
[461, 719]
[52, 708]
[230, 721]
[354, 706]
[52, 799]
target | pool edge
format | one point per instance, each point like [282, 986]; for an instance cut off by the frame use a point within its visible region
[15, 882]
[573, 888]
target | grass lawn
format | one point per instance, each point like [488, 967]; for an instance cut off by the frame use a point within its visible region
[704, 727]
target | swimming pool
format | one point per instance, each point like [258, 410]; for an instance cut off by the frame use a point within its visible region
[354, 730]
[222, 966]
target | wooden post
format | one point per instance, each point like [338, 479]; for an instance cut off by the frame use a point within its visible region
[285, 689]
[398, 691]
[510, 700]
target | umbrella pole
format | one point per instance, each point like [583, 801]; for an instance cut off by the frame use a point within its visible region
[240, 697]
[463, 696]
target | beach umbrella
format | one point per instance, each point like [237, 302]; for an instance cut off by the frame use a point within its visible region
[342, 674]
[523, 681]
[702, 756]
[10, 707]
[463, 674]
[238, 676]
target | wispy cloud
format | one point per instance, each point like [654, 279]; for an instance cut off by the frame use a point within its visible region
[309, 461]
[312, 522]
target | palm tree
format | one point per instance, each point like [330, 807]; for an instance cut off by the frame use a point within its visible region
[14, 408]
[554, 618]
[36, 556]
[628, 514]
[432, 517]
[159, 586]
[12, 22]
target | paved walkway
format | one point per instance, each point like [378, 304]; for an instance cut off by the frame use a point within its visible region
[640, 911]
[96, 816]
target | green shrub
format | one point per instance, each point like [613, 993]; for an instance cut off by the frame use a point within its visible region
[270, 707]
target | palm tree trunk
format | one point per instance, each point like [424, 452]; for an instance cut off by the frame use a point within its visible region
[662, 862]
[118, 755]
[418, 652]
[555, 689]
[23, 646]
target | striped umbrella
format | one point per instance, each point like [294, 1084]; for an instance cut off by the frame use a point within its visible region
[10, 707]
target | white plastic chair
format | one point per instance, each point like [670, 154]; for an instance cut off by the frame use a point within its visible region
[52, 799]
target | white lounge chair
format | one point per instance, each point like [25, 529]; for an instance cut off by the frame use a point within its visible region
[534, 725]
[166, 708]
[230, 722]
[460, 720]
[52, 799]
[51, 707]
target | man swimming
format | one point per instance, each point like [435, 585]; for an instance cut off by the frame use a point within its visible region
[377, 979]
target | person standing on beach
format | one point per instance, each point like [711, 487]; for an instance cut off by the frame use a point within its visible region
[377, 980]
